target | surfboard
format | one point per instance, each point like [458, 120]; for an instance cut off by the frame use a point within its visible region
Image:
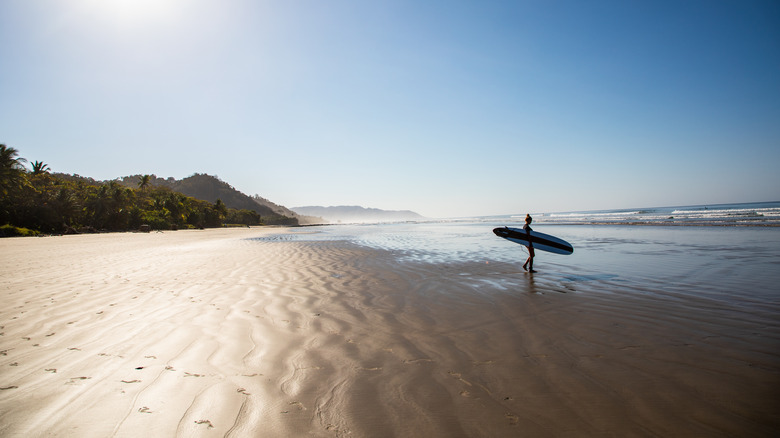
[544, 242]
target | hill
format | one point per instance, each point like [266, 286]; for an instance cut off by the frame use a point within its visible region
[210, 188]
[357, 214]
[40, 201]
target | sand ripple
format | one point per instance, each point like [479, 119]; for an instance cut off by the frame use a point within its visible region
[208, 333]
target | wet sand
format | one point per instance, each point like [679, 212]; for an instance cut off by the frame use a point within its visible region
[207, 333]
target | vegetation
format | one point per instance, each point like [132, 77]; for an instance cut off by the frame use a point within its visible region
[38, 201]
[210, 188]
[11, 231]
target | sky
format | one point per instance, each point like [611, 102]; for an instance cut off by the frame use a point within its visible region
[447, 108]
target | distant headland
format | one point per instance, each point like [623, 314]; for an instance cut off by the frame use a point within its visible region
[357, 214]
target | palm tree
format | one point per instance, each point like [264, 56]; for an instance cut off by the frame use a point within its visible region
[145, 181]
[11, 169]
[39, 167]
[8, 156]
[9, 160]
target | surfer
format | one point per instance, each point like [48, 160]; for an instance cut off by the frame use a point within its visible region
[527, 228]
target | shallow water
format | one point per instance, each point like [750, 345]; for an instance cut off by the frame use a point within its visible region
[735, 264]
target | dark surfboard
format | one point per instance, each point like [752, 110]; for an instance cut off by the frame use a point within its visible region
[541, 241]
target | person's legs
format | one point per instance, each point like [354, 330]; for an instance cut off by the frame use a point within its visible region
[530, 261]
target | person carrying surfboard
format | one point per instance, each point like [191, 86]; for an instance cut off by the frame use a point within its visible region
[530, 262]
[533, 240]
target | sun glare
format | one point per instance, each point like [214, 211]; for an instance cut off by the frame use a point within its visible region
[140, 8]
[133, 11]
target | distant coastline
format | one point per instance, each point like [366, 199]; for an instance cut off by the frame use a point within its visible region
[357, 214]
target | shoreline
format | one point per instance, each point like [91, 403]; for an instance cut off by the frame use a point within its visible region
[195, 334]
[704, 224]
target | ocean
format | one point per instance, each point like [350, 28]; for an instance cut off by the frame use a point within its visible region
[751, 214]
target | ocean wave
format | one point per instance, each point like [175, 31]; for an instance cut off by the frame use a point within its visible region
[594, 214]
[726, 213]
[766, 213]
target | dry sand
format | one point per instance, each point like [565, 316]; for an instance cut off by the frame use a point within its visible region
[206, 333]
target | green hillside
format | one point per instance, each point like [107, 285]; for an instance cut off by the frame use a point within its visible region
[210, 188]
[38, 201]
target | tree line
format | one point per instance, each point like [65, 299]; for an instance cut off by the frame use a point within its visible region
[36, 201]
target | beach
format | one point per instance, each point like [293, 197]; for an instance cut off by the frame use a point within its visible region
[250, 332]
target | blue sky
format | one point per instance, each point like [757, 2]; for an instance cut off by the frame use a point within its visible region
[447, 108]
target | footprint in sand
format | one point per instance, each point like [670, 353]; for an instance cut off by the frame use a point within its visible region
[131, 381]
[513, 419]
[4, 388]
[408, 361]
[207, 422]
[186, 374]
[75, 380]
[51, 370]
[458, 376]
[144, 410]
[243, 391]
